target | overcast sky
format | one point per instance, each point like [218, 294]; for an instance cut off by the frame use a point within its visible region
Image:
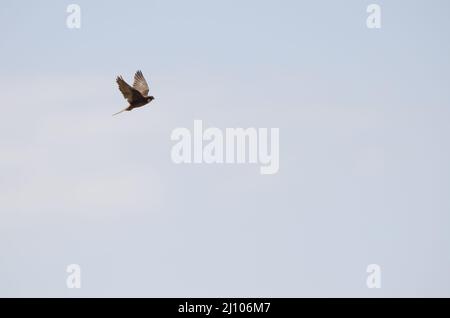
[364, 149]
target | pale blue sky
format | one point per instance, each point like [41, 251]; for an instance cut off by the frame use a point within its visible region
[364, 149]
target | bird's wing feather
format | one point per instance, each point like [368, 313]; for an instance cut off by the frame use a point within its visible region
[130, 93]
[140, 83]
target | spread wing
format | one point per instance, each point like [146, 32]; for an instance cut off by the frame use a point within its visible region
[140, 83]
[130, 93]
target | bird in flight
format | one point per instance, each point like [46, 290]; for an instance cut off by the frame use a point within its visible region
[137, 96]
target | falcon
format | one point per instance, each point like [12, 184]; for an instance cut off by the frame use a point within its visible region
[137, 96]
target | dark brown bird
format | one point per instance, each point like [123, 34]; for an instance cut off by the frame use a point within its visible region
[137, 95]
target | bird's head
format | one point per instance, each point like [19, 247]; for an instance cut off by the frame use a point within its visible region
[150, 98]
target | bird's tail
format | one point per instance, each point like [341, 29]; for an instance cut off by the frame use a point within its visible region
[120, 111]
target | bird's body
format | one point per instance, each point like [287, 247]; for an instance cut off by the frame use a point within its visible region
[137, 95]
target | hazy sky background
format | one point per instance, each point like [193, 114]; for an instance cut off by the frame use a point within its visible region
[364, 149]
